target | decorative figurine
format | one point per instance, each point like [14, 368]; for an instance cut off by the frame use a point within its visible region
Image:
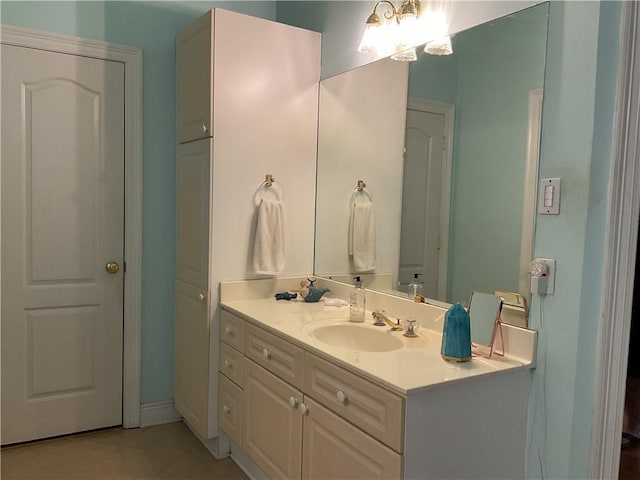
[310, 293]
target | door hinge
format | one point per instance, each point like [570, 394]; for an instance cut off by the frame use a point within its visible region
[444, 143]
[124, 267]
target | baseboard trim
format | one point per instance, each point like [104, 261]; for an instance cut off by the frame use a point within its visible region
[158, 413]
[246, 464]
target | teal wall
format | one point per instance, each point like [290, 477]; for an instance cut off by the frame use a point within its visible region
[151, 26]
[576, 139]
[488, 79]
[580, 86]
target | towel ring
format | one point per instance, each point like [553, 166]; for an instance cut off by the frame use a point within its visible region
[361, 189]
[268, 185]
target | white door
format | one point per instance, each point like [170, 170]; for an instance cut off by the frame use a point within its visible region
[421, 200]
[62, 221]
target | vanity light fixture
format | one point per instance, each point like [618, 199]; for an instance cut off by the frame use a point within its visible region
[401, 29]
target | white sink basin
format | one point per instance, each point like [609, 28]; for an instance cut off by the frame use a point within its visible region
[359, 338]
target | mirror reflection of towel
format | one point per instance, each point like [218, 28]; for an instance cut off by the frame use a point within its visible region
[268, 252]
[362, 237]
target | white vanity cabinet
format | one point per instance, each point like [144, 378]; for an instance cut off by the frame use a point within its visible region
[353, 414]
[247, 91]
[304, 417]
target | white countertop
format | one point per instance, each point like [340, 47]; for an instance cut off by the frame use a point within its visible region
[416, 366]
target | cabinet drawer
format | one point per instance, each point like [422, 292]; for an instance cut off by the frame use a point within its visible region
[340, 450]
[276, 355]
[232, 330]
[231, 363]
[375, 410]
[230, 409]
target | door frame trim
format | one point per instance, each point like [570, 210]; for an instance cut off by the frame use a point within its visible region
[448, 112]
[612, 346]
[131, 57]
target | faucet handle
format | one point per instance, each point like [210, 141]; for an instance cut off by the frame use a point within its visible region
[377, 320]
[410, 327]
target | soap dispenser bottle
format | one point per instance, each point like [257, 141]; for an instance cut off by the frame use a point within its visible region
[415, 287]
[356, 302]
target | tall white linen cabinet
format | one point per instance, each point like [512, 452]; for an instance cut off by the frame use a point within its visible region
[247, 106]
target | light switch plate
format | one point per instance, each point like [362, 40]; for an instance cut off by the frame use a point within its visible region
[549, 196]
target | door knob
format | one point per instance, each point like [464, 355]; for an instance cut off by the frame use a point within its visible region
[112, 267]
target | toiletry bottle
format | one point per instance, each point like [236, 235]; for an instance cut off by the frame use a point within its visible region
[356, 302]
[456, 335]
[415, 287]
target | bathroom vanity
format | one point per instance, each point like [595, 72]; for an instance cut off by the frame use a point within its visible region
[299, 402]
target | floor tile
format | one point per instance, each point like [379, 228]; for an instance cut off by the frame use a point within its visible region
[201, 467]
[167, 451]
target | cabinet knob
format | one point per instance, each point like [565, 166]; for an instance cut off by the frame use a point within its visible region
[304, 409]
[293, 401]
[204, 128]
[341, 396]
[227, 409]
[266, 353]
[202, 296]
[227, 363]
[228, 330]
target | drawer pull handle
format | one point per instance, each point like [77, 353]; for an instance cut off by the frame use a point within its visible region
[341, 396]
[228, 330]
[293, 401]
[304, 409]
[266, 353]
[227, 409]
[227, 363]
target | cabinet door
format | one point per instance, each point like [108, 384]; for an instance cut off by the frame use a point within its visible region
[272, 430]
[333, 448]
[194, 62]
[193, 209]
[192, 356]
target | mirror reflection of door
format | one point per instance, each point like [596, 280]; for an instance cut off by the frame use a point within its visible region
[425, 201]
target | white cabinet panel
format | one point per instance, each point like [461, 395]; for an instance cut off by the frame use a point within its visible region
[334, 449]
[193, 212]
[192, 356]
[194, 50]
[272, 433]
[368, 406]
[230, 403]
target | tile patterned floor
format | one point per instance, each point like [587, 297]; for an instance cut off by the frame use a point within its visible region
[160, 452]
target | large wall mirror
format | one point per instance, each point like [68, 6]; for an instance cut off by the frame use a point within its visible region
[448, 148]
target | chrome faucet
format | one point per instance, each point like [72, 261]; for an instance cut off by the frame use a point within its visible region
[380, 319]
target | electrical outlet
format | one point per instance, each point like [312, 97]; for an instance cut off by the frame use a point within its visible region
[543, 280]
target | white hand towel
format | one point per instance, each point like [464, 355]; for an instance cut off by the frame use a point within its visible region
[362, 237]
[268, 252]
